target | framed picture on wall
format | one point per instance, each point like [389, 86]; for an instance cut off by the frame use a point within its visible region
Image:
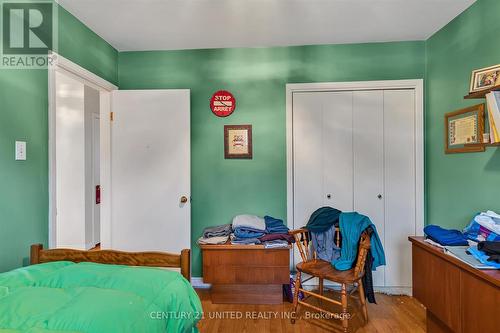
[238, 142]
[485, 78]
[464, 130]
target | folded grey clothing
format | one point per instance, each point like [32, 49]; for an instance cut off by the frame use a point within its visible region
[213, 240]
[217, 231]
[249, 221]
[274, 244]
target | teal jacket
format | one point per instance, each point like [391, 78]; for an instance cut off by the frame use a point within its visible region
[351, 226]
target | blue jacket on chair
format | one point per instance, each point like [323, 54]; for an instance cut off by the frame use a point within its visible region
[352, 226]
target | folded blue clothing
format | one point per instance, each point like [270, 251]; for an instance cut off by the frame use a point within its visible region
[242, 232]
[445, 237]
[482, 257]
[275, 226]
[245, 241]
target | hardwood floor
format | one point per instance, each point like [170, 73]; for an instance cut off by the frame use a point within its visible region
[392, 314]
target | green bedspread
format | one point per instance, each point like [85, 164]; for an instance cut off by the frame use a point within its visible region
[95, 298]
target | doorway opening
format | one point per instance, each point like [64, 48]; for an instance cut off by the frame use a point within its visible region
[79, 150]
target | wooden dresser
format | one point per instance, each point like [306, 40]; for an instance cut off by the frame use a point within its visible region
[458, 297]
[246, 274]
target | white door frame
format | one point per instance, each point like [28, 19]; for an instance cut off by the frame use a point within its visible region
[63, 65]
[417, 85]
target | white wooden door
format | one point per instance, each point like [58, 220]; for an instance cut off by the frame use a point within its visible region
[307, 151]
[150, 170]
[96, 163]
[337, 151]
[70, 168]
[323, 155]
[355, 151]
[400, 175]
[368, 149]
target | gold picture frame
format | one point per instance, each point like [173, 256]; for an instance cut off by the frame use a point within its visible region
[464, 130]
[485, 78]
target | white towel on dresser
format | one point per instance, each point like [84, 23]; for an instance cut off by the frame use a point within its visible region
[249, 221]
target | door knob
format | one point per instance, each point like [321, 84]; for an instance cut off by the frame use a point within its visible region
[184, 199]
[379, 196]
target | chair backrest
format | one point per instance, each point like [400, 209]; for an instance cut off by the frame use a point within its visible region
[363, 248]
[303, 242]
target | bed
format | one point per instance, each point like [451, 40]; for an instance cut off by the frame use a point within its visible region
[99, 291]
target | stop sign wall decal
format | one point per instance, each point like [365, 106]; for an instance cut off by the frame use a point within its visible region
[222, 103]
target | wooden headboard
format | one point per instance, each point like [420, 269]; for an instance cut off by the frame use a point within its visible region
[151, 259]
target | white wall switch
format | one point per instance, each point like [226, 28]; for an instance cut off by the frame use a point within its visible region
[20, 150]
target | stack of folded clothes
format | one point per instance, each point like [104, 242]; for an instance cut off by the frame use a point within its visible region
[484, 227]
[247, 229]
[216, 235]
[276, 231]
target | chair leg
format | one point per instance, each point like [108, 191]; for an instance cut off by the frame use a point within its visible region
[321, 286]
[362, 298]
[345, 320]
[296, 297]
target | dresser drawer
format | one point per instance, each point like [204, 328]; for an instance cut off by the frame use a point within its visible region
[260, 257]
[228, 274]
[259, 266]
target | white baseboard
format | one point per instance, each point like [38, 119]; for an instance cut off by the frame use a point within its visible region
[197, 282]
[393, 291]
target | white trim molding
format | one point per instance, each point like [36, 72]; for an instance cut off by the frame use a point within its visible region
[60, 62]
[197, 282]
[63, 65]
[417, 85]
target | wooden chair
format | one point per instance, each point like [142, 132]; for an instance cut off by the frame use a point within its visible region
[323, 270]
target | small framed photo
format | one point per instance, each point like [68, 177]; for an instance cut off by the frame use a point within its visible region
[485, 78]
[238, 142]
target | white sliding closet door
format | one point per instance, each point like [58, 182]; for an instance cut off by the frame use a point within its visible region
[368, 148]
[355, 151]
[337, 151]
[308, 150]
[322, 152]
[399, 139]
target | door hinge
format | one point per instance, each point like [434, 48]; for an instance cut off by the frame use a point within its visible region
[112, 116]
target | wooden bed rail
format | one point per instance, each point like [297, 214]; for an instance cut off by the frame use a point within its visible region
[150, 259]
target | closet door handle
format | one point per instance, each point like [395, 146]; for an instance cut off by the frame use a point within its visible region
[328, 196]
[379, 196]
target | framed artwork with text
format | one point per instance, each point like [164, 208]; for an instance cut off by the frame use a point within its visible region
[464, 130]
[238, 142]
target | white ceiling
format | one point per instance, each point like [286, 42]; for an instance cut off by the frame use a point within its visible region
[133, 25]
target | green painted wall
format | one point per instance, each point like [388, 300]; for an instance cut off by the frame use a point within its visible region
[24, 116]
[461, 184]
[257, 77]
[456, 185]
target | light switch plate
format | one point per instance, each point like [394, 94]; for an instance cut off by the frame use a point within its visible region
[20, 150]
